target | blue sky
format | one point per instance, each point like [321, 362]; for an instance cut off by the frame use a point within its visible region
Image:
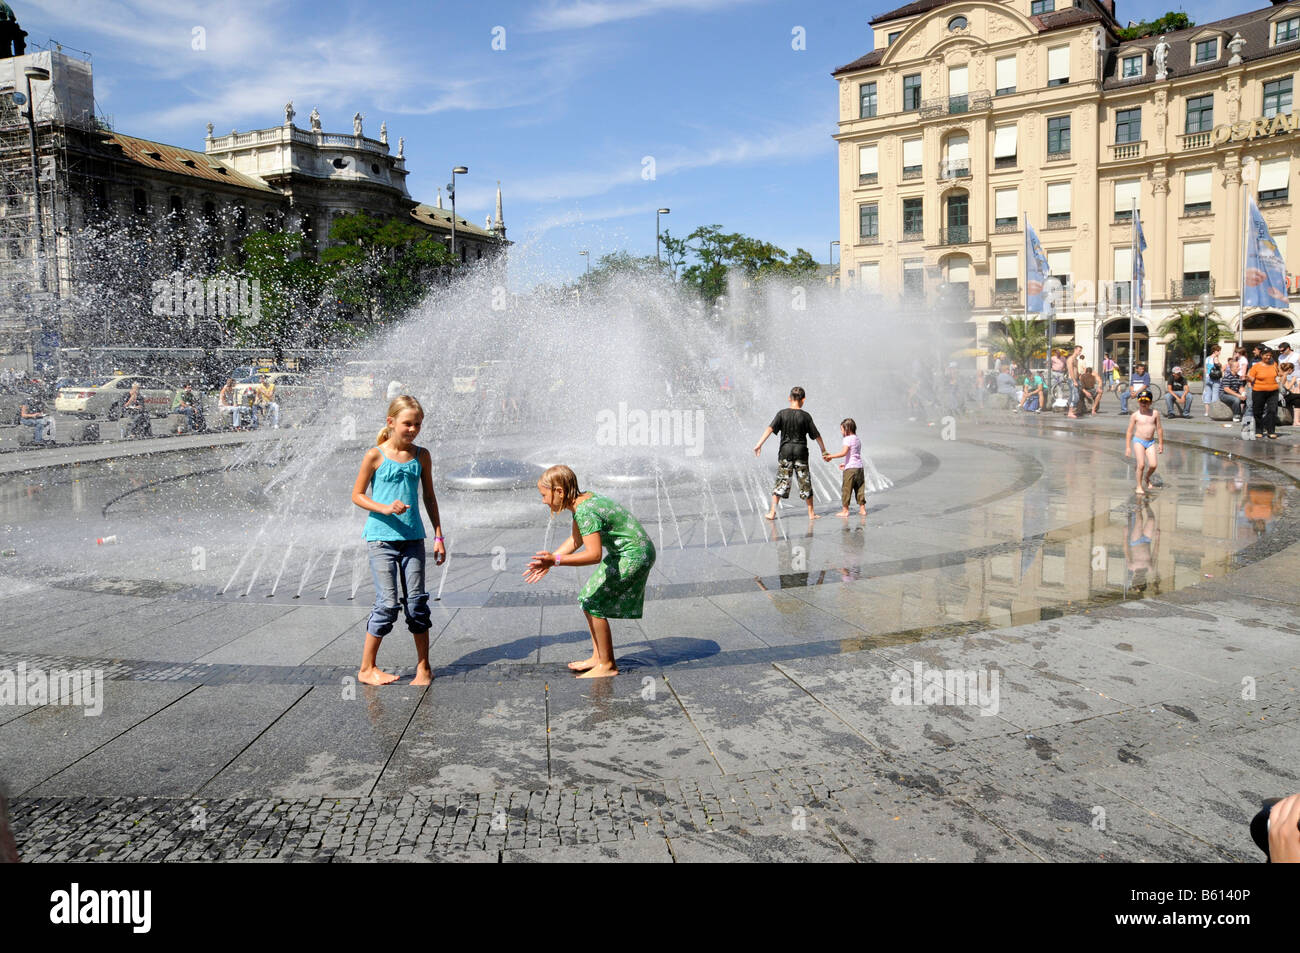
[738, 123]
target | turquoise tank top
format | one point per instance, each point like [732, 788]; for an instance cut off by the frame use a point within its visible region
[396, 481]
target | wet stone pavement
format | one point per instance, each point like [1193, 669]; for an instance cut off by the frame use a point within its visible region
[1146, 660]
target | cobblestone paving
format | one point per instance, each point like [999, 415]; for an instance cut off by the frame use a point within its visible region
[792, 799]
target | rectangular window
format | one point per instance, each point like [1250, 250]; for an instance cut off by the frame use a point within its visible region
[1058, 66]
[1126, 193]
[1004, 147]
[1058, 136]
[1207, 51]
[1041, 6]
[1196, 192]
[870, 276]
[894, 36]
[958, 87]
[913, 281]
[913, 223]
[868, 165]
[1007, 274]
[1275, 180]
[1006, 205]
[1058, 263]
[1132, 66]
[866, 100]
[1123, 259]
[911, 158]
[1128, 125]
[1200, 113]
[1006, 75]
[1287, 30]
[869, 222]
[1058, 203]
[1196, 263]
[911, 92]
[1277, 97]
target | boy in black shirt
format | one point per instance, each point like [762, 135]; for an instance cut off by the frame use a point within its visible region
[795, 425]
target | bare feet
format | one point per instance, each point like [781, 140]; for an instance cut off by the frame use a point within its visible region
[423, 675]
[375, 676]
[843, 514]
[584, 665]
[600, 671]
[814, 515]
[770, 516]
[863, 511]
[1141, 492]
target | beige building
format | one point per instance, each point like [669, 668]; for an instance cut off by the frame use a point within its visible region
[969, 115]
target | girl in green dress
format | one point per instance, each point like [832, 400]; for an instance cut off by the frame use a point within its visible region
[616, 590]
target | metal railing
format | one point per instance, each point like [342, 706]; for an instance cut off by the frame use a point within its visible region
[976, 101]
[867, 178]
[1004, 228]
[954, 169]
[954, 235]
[1181, 289]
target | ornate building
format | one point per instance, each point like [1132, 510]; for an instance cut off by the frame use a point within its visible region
[971, 114]
[71, 185]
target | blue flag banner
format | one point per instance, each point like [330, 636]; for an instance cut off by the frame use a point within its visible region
[1264, 282]
[1139, 267]
[1036, 272]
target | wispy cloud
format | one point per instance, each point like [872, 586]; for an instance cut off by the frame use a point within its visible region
[589, 13]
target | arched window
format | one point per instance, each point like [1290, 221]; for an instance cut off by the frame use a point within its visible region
[957, 23]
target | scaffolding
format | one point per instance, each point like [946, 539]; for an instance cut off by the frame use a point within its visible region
[36, 252]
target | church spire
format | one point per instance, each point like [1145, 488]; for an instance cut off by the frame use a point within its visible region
[440, 196]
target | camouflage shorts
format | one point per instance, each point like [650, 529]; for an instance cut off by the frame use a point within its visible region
[800, 470]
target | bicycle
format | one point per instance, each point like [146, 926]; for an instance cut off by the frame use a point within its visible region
[1121, 387]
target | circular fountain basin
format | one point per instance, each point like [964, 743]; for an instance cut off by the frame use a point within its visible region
[494, 474]
[637, 472]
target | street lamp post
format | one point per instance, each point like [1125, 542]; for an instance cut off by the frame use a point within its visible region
[587, 255]
[830, 255]
[662, 211]
[451, 190]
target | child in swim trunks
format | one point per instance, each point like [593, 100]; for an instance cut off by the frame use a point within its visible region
[1144, 439]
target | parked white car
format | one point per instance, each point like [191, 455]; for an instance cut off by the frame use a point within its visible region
[104, 397]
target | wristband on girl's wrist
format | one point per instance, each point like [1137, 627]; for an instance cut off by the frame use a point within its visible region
[558, 559]
[437, 539]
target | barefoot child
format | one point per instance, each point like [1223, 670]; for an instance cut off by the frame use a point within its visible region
[1144, 432]
[616, 590]
[394, 471]
[852, 467]
[795, 425]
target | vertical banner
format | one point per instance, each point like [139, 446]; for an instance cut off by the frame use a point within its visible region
[1264, 282]
[1036, 272]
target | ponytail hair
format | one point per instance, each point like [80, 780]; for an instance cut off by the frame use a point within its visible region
[849, 425]
[399, 404]
[560, 477]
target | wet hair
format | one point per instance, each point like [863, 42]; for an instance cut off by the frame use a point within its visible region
[849, 425]
[1287, 364]
[399, 404]
[560, 477]
[1145, 396]
[796, 393]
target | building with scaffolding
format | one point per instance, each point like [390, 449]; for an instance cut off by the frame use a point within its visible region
[91, 219]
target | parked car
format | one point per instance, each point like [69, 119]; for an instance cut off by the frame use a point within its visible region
[367, 380]
[297, 388]
[104, 397]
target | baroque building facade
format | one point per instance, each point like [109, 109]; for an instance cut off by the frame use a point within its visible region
[72, 186]
[970, 115]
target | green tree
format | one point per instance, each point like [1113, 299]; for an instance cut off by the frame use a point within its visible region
[1188, 335]
[292, 290]
[1022, 341]
[382, 267]
[1171, 21]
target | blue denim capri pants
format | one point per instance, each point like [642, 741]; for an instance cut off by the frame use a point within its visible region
[397, 566]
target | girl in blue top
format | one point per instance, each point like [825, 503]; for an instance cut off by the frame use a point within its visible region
[394, 471]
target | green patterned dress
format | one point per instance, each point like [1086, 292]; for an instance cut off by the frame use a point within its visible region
[616, 590]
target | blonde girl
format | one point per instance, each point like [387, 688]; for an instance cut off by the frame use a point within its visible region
[616, 590]
[391, 476]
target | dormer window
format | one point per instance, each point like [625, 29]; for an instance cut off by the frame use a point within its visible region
[957, 23]
[1041, 6]
[191, 163]
[1206, 51]
[1131, 66]
[894, 36]
[1286, 31]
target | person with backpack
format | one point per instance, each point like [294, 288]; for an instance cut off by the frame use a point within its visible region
[1212, 385]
